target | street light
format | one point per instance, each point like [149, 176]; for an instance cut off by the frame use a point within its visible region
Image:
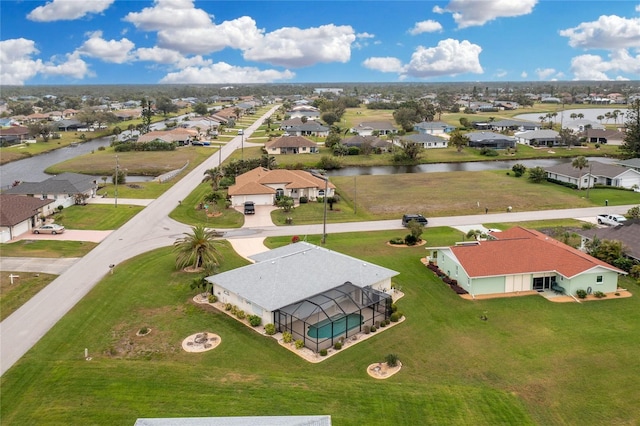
[324, 218]
[116, 181]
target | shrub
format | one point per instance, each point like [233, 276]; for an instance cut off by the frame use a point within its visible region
[387, 321]
[287, 337]
[396, 241]
[394, 307]
[255, 320]
[337, 346]
[581, 293]
[299, 344]
[489, 152]
[519, 169]
[270, 329]
[60, 208]
[240, 314]
[304, 200]
[373, 328]
[323, 352]
[228, 306]
[599, 294]
[394, 317]
[213, 298]
[366, 329]
[383, 324]
[410, 240]
[391, 360]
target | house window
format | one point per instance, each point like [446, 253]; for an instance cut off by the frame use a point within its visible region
[304, 148]
[599, 279]
[321, 193]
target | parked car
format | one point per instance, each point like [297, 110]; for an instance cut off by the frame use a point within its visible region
[52, 228]
[417, 217]
[249, 207]
[611, 219]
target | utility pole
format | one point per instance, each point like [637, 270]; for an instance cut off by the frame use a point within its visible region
[117, 178]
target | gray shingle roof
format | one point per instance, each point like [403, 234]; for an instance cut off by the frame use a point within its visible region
[64, 183]
[18, 208]
[628, 234]
[295, 272]
[597, 169]
[422, 138]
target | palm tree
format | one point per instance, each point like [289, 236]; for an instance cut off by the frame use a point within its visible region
[580, 163]
[580, 116]
[197, 249]
[600, 118]
[214, 176]
[573, 116]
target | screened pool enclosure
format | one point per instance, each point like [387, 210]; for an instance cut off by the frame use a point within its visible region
[335, 314]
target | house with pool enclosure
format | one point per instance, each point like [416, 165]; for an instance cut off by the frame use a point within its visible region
[523, 260]
[316, 294]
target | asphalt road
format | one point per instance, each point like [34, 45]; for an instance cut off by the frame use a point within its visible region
[152, 229]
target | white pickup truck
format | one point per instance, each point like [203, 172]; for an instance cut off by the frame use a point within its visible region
[611, 219]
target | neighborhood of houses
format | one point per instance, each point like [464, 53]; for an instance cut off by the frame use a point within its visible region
[343, 294]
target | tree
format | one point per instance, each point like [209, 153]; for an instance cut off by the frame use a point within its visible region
[165, 105]
[631, 144]
[416, 229]
[406, 118]
[464, 122]
[332, 140]
[458, 140]
[606, 250]
[214, 176]
[285, 203]
[198, 249]
[268, 121]
[146, 116]
[329, 117]
[580, 163]
[537, 174]
[119, 178]
[519, 169]
[200, 109]
[634, 213]
[410, 150]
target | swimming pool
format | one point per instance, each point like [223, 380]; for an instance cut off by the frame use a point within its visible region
[341, 323]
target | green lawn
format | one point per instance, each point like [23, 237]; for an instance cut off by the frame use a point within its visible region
[12, 296]
[189, 211]
[532, 362]
[46, 248]
[101, 217]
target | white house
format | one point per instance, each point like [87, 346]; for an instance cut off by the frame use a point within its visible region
[426, 140]
[543, 137]
[65, 189]
[379, 127]
[595, 173]
[316, 294]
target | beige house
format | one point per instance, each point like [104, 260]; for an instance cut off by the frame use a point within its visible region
[262, 186]
[291, 145]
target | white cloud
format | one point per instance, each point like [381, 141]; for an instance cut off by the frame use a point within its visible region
[240, 33]
[594, 67]
[429, 26]
[169, 57]
[365, 35]
[107, 50]
[546, 73]
[449, 57]
[469, 13]
[224, 73]
[64, 10]
[295, 47]
[524, 74]
[638, 8]
[501, 73]
[169, 14]
[608, 32]
[17, 65]
[388, 64]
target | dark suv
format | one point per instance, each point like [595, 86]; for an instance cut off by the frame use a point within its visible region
[249, 207]
[417, 217]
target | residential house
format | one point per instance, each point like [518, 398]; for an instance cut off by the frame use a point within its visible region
[262, 186]
[427, 140]
[506, 105]
[68, 124]
[13, 135]
[596, 173]
[632, 163]
[581, 125]
[520, 259]
[309, 128]
[312, 113]
[65, 189]
[374, 142]
[316, 294]
[543, 137]
[179, 136]
[291, 145]
[490, 140]
[513, 125]
[433, 127]
[19, 214]
[628, 233]
[605, 136]
[368, 128]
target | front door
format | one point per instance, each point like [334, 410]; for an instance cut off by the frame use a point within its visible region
[543, 283]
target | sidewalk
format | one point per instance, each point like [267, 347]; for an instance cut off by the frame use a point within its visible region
[123, 201]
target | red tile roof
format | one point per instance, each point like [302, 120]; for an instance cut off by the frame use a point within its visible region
[519, 250]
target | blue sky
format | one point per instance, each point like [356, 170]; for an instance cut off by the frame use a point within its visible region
[305, 41]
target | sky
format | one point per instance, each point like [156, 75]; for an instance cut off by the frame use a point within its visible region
[313, 41]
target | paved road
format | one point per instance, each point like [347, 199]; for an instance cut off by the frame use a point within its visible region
[148, 230]
[152, 229]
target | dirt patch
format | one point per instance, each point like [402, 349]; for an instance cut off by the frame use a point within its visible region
[201, 342]
[381, 370]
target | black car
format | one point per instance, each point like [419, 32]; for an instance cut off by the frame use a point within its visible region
[417, 217]
[249, 207]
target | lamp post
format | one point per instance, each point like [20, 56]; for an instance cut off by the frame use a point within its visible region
[324, 217]
[117, 178]
[220, 155]
[242, 146]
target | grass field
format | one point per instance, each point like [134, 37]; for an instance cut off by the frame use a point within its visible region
[100, 217]
[532, 362]
[24, 287]
[46, 248]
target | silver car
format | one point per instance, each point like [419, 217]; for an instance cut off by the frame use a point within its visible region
[52, 228]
